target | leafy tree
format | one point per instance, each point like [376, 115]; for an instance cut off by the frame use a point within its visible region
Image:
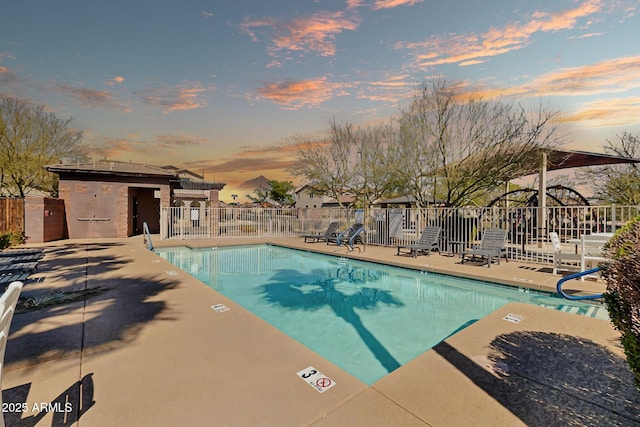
[622, 298]
[260, 195]
[31, 138]
[460, 147]
[279, 192]
[619, 183]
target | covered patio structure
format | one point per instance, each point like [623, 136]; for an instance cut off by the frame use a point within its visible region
[551, 160]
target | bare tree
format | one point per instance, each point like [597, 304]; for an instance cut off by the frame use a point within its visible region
[328, 163]
[349, 161]
[31, 138]
[375, 173]
[617, 183]
[463, 147]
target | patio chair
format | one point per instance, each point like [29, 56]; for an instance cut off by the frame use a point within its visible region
[490, 248]
[428, 242]
[330, 232]
[13, 276]
[558, 256]
[591, 250]
[8, 302]
[35, 252]
[19, 258]
[27, 267]
[351, 235]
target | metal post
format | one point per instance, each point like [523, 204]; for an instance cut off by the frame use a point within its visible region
[542, 199]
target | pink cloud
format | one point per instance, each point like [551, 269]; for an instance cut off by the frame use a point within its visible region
[612, 76]
[352, 4]
[315, 33]
[187, 96]
[89, 97]
[388, 4]
[132, 146]
[392, 89]
[294, 94]
[466, 48]
[616, 75]
[610, 112]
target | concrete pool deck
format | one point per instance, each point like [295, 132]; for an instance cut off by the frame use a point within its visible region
[144, 348]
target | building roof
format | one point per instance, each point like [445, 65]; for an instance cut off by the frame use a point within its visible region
[112, 168]
[137, 170]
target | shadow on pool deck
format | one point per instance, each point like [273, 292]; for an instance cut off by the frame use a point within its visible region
[80, 308]
[150, 351]
[553, 379]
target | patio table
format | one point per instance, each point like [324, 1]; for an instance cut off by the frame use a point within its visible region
[455, 246]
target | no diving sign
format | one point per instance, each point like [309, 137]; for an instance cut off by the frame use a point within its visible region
[316, 379]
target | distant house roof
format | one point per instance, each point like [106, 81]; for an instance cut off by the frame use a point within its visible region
[402, 200]
[302, 188]
[345, 200]
[182, 172]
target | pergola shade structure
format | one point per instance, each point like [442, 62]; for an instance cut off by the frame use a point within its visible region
[566, 159]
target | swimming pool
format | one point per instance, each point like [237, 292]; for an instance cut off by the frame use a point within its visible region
[367, 318]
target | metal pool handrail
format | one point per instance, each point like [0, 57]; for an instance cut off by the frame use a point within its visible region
[577, 276]
[147, 236]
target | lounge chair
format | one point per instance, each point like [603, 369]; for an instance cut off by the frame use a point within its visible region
[428, 242]
[490, 248]
[8, 302]
[314, 238]
[36, 252]
[351, 236]
[558, 256]
[19, 266]
[591, 250]
[19, 258]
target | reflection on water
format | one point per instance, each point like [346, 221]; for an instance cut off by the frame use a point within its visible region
[367, 318]
[210, 265]
[320, 288]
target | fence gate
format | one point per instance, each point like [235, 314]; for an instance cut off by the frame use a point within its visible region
[11, 215]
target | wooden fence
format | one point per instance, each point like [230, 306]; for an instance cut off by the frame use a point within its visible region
[11, 215]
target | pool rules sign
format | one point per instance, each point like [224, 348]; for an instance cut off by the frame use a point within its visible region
[316, 379]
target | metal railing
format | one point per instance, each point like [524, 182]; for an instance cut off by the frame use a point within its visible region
[206, 223]
[577, 276]
[147, 236]
[527, 239]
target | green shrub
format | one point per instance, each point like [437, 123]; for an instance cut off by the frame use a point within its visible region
[10, 239]
[622, 297]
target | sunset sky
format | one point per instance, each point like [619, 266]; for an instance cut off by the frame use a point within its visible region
[221, 86]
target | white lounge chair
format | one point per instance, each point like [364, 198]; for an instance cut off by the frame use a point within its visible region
[8, 302]
[591, 250]
[559, 257]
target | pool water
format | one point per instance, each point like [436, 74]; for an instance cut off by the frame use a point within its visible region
[367, 318]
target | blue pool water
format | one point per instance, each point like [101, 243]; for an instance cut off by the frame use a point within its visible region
[367, 318]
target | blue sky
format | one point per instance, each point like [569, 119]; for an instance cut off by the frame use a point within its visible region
[221, 86]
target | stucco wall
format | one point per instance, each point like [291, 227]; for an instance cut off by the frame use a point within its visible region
[93, 208]
[96, 209]
[44, 219]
